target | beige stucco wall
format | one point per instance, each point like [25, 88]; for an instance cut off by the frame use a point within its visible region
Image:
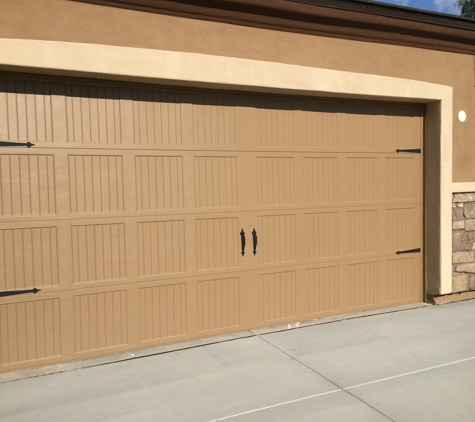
[63, 20]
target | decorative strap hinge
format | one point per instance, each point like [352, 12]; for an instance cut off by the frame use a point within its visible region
[408, 251]
[16, 144]
[414, 150]
[19, 292]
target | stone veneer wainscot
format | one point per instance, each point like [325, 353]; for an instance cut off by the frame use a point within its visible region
[463, 242]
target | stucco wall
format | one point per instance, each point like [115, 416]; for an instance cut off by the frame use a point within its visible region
[63, 20]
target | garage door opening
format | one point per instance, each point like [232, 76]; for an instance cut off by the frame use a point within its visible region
[150, 215]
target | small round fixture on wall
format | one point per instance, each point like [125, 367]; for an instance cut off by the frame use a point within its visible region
[462, 116]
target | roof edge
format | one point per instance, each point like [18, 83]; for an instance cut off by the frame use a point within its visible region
[354, 20]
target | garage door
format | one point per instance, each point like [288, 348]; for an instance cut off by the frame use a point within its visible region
[148, 216]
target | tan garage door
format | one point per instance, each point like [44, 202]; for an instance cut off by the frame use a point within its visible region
[129, 214]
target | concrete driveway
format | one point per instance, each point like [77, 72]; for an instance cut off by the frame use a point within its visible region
[405, 365]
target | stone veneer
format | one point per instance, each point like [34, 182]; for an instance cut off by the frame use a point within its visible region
[463, 242]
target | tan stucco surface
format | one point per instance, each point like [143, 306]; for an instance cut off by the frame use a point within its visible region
[62, 20]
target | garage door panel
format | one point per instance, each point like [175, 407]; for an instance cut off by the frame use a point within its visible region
[276, 180]
[400, 273]
[403, 228]
[100, 320]
[96, 183]
[27, 186]
[401, 127]
[217, 242]
[363, 231]
[401, 172]
[159, 182]
[276, 126]
[364, 283]
[99, 252]
[322, 235]
[276, 238]
[216, 181]
[218, 304]
[26, 110]
[322, 180]
[30, 332]
[362, 179]
[277, 296]
[320, 122]
[157, 117]
[322, 290]
[214, 119]
[28, 257]
[163, 311]
[161, 247]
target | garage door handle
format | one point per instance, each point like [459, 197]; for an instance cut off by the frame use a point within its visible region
[16, 144]
[19, 292]
[408, 251]
[415, 150]
[254, 241]
[243, 242]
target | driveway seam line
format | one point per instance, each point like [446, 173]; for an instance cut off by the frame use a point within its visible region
[276, 405]
[327, 379]
[409, 373]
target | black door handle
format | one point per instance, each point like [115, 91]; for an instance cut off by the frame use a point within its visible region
[19, 292]
[254, 241]
[243, 242]
[16, 144]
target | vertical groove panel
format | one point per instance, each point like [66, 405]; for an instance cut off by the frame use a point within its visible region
[275, 123]
[276, 180]
[362, 179]
[214, 120]
[400, 279]
[323, 289]
[162, 247]
[217, 241]
[363, 281]
[321, 180]
[277, 295]
[157, 117]
[215, 182]
[402, 229]
[278, 238]
[218, 304]
[401, 177]
[162, 312]
[92, 114]
[159, 182]
[358, 128]
[100, 320]
[363, 228]
[25, 111]
[321, 126]
[27, 185]
[400, 128]
[28, 258]
[321, 235]
[98, 252]
[96, 183]
[29, 331]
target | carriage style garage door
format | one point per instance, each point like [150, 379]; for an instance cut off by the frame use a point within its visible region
[131, 211]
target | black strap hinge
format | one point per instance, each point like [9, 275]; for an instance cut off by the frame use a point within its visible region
[19, 292]
[16, 144]
[414, 150]
[408, 251]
